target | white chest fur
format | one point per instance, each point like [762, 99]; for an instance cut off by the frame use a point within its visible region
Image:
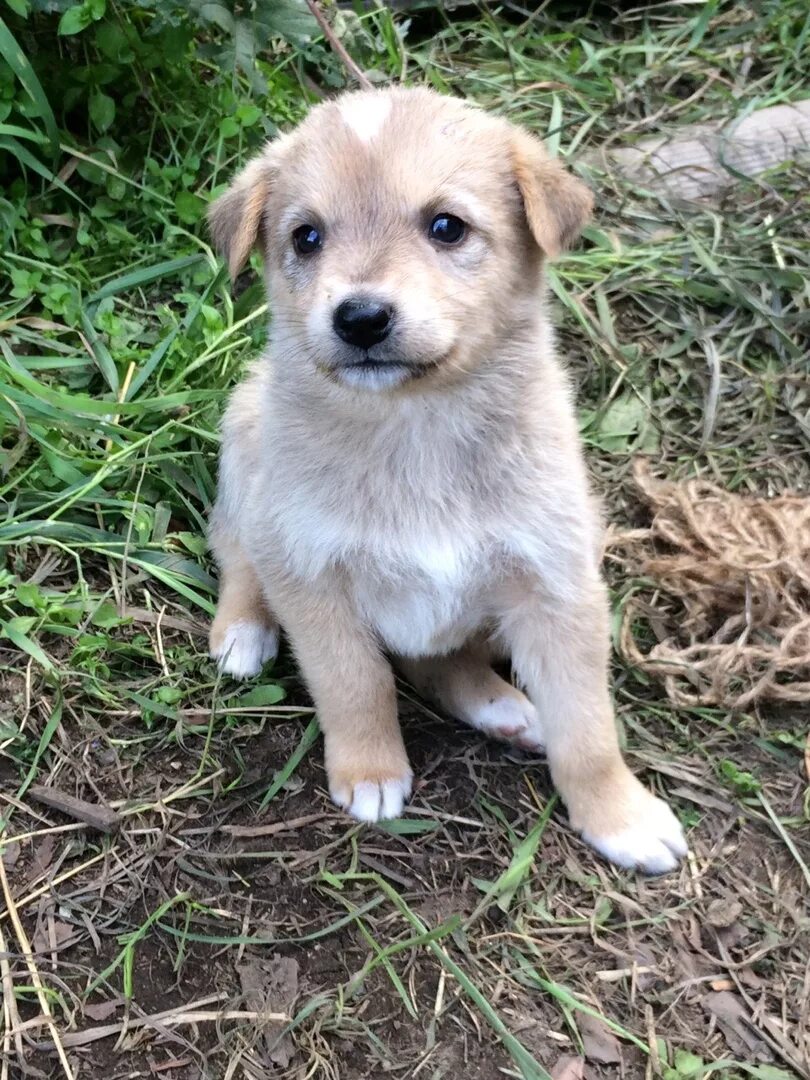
[418, 584]
[419, 515]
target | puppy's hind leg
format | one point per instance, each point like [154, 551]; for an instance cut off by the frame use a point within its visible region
[465, 685]
[244, 634]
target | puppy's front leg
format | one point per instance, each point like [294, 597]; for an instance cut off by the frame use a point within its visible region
[353, 687]
[561, 654]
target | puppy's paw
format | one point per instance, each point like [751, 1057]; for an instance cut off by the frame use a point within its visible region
[510, 717]
[373, 800]
[244, 648]
[653, 840]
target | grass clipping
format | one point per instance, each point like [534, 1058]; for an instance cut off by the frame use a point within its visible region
[725, 595]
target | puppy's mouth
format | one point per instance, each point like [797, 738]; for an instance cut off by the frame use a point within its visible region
[374, 363]
[372, 370]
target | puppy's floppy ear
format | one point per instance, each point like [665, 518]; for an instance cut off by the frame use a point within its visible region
[235, 218]
[557, 204]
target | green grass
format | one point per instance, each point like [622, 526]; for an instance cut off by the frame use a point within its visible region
[477, 930]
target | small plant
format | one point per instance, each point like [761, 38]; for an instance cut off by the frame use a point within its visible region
[742, 782]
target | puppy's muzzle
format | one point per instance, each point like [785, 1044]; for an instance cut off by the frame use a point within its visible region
[363, 321]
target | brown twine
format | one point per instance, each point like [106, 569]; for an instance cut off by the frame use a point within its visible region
[727, 595]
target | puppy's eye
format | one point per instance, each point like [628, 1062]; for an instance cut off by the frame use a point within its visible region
[307, 239]
[447, 229]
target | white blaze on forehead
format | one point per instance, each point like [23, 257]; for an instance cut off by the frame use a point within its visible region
[366, 114]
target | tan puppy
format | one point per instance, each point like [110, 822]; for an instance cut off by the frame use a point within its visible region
[401, 474]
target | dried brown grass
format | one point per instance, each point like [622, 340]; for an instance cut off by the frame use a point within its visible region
[727, 598]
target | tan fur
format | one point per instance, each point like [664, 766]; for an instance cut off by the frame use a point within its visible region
[240, 593]
[433, 497]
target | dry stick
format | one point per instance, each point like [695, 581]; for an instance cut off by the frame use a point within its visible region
[337, 46]
[251, 831]
[25, 947]
[95, 815]
[170, 1018]
[11, 1018]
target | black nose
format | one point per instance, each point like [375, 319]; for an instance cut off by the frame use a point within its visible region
[363, 322]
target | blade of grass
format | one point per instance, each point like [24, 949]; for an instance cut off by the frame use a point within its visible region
[19, 64]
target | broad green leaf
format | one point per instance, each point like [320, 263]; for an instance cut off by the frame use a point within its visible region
[687, 1064]
[190, 207]
[75, 20]
[259, 696]
[102, 110]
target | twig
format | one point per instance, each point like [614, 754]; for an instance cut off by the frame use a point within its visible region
[96, 815]
[337, 46]
[169, 1018]
[11, 1017]
[33, 971]
[251, 831]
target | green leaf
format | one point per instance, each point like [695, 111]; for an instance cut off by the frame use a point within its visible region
[247, 115]
[144, 276]
[189, 207]
[16, 630]
[503, 889]
[686, 1064]
[75, 20]
[19, 7]
[54, 720]
[620, 424]
[106, 615]
[744, 782]
[196, 544]
[29, 595]
[217, 14]
[259, 696]
[407, 827]
[102, 110]
[769, 1072]
[307, 741]
[290, 19]
[170, 695]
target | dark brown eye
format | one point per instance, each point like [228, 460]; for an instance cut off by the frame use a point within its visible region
[447, 229]
[307, 239]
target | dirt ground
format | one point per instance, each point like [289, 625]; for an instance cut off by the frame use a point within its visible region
[284, 911]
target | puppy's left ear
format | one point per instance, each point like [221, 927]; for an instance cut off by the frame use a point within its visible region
[557, 204]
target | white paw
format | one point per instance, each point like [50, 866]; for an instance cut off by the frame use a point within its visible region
[246, 647]
[511, 718]
[655, 844]
[370, 801]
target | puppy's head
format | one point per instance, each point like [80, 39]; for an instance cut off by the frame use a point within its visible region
[403, 234]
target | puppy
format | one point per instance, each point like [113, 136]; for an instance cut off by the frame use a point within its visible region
[402, 483]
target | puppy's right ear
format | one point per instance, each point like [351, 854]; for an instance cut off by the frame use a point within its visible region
[235, 218]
